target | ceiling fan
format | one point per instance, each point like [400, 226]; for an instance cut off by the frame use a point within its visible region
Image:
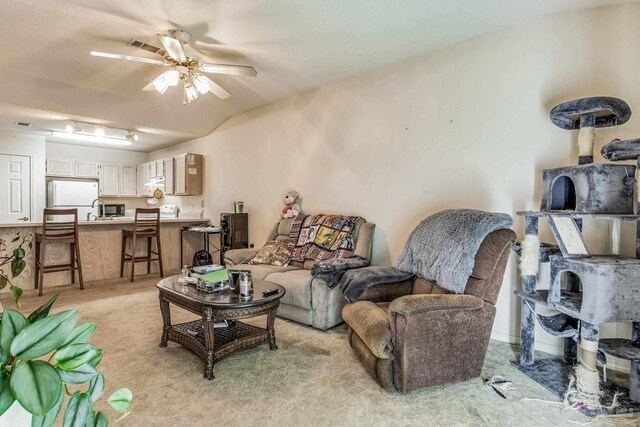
[184, 69]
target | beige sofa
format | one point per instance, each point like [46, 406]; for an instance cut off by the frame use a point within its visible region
[308, 300]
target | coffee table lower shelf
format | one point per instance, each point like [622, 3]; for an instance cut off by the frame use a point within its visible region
[236, 337]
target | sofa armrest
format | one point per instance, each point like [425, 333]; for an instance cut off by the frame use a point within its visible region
[387, 292]
[239, 256]
[411, 305]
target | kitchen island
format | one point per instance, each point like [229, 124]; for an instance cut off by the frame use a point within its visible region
[100, 247]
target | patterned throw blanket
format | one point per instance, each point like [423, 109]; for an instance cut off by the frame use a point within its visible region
[320, 237]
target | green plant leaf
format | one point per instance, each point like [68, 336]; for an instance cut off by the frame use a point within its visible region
[94, 362]
[100, 420]
[74, 356]
[3, 281]
[17, 293]
[13, 322]
[36, 385]
[121, 399]
[42, 311]
[19, 253]
[6, 396]
[78, 410]
[44, 336]
[91, 420]
[81, 375]
[3, 358]
[17, 265]
[15, 239]
[96, 387]
[50, 417]
[80, 334]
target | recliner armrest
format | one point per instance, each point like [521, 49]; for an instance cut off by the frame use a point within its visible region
[371, 324]
[410, 305]
[239, 256]
[387, 292]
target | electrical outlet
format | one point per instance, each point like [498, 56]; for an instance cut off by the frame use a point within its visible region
[251, 245]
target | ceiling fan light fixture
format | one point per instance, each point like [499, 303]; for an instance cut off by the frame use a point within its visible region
[160, 83]
[201, 83]
[68, 129]
[99, 132]
[172, 77]
[190, 92]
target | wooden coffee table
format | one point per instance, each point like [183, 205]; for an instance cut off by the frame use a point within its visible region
[200, 336]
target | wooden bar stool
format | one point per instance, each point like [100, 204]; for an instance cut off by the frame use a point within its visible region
[146, 225]
[58, 231]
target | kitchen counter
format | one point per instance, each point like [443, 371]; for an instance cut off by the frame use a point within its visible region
[100, 248]
[120, 221]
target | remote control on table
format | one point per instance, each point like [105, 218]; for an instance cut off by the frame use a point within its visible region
[269, 292]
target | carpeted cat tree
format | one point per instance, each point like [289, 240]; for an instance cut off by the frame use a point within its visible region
[597, 288]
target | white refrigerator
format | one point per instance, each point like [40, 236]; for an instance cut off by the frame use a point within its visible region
[73, 194]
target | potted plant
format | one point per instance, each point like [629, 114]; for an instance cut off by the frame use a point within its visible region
[13, 261]
[46, 360]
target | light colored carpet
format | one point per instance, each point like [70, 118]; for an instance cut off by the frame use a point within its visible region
[314, 379]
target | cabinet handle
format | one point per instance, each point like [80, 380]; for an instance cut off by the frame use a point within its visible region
[24, 218]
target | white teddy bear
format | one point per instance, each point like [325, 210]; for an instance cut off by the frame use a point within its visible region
[291, 205]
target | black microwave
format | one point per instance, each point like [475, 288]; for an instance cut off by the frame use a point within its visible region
[111, 210]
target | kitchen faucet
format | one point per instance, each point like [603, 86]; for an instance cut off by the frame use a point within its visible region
[93, 205]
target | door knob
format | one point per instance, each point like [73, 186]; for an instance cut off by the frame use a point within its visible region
[24, 218]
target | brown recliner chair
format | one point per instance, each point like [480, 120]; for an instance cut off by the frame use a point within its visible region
[414, 334]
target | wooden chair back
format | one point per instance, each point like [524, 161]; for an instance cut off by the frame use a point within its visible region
[147, 220]
[62, 229]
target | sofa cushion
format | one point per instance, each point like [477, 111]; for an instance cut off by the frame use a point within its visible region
[274, 253]
[260, 271]
[298, 286]
[371, 322]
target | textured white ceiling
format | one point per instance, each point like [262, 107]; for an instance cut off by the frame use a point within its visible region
[47, 75]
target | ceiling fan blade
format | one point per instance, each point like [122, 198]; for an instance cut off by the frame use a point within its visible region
[236, 70]
[127, 58]
[149, 87]
[173, 47]
[217, 90]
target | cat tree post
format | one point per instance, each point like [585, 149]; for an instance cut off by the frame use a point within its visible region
[529, 284]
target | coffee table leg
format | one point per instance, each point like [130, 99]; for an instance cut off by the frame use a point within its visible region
[166, 321]
[209, 335]
[271, 318]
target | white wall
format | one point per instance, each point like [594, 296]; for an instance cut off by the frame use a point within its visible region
[464, 127]
[96, 154]
[34, 147]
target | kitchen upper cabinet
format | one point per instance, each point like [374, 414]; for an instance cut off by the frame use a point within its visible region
[188, 174]
[143, 178]
[109, 180]
[160, 168]
[60, 167]
[84, 169]
[152, 170]
[128, 187]
[169, 186]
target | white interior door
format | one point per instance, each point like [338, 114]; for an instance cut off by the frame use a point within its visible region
[15, 180]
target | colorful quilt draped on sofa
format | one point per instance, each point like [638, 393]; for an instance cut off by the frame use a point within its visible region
[320, 237]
